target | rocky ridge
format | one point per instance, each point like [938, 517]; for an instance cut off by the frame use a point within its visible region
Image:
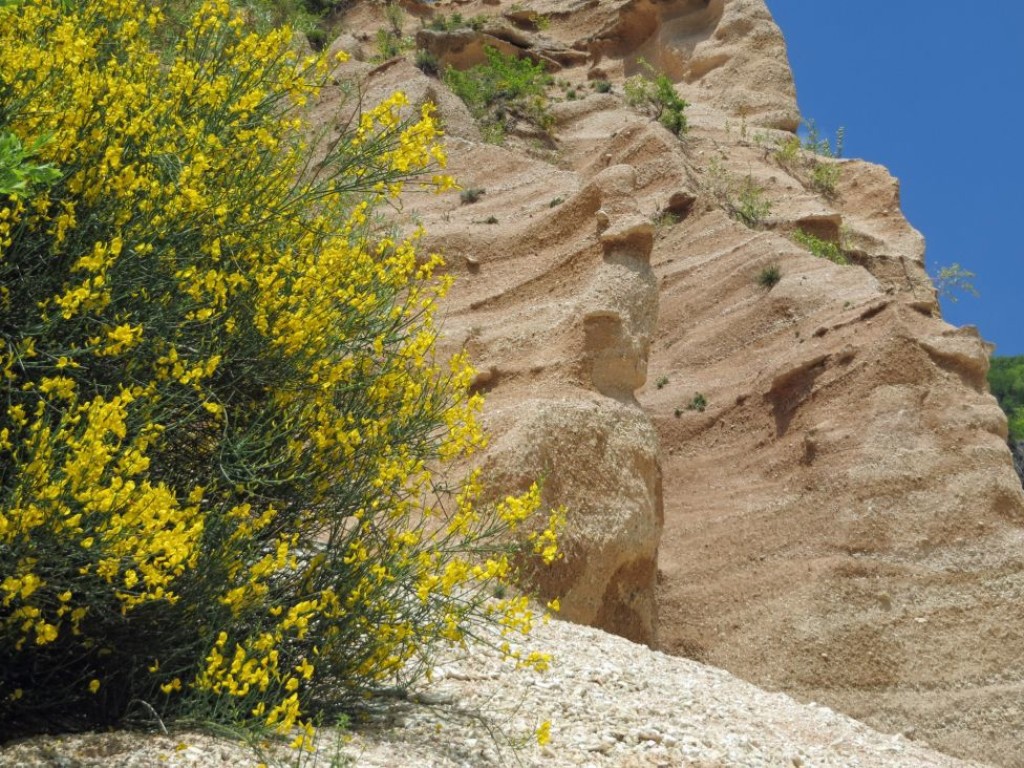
[838, 513]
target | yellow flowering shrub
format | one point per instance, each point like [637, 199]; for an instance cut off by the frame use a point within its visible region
[224, 434]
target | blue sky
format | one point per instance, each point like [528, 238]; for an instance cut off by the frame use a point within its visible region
[933, 90]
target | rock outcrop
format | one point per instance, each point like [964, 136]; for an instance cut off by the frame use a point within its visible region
[580, 427]
[842, 520]
[728, 55]
[557, 309]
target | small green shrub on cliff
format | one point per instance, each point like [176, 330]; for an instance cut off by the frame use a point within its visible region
[823, 249]
[657, 96]
[820, 145]
[427, 63]
[505, 89]
[471, 195]
[770, 276]
[825, 178]
[953, 280]
[742, 198]
[442, 23]
[225, 435]
[800, 156]
[394, 15]
[750, 204]
[697, 403]
[389, 45]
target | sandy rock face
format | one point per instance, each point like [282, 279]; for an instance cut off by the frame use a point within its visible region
[599, 458]
[593, 445]
[842, 520]
[729, 55]
[558, 307]
[572, 419]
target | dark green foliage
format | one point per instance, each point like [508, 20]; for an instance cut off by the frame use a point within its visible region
[1006, 380]
[441, 23]
[697, 403]
[312, 18]
[427, 63]
[770, 276]
[672, 116]
[17, 174]
[305, 16]
[321, 7]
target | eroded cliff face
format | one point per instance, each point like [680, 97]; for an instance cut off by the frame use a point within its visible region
[842, 521]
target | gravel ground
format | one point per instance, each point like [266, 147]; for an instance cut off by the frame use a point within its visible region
[610, 703]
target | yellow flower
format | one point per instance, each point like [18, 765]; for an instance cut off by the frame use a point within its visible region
[300, 269]
[305, 669]
[45, 633]
[544, 733]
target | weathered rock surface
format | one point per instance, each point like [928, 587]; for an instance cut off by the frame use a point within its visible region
[728, 55]
[564, 347]
[842, 521]
[599, 458]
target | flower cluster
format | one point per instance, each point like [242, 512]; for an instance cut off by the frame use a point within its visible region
[224, 435]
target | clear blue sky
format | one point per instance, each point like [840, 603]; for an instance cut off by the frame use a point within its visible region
[935, 91]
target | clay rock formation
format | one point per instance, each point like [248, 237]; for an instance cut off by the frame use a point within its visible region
[726, 55]
[586, 436]
[729, 55]
[842, 521]
[598, 458]
[557, 308]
